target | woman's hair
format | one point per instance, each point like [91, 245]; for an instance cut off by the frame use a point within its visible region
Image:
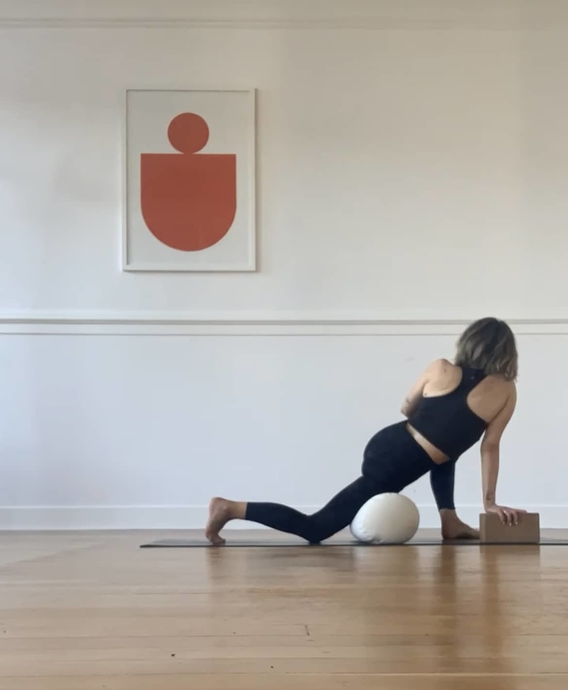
[489, 344]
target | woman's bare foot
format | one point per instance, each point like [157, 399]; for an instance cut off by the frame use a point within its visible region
[219, 515]
[462, 531]
[454, 528]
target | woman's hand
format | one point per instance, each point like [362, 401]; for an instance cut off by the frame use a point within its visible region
[509, 516]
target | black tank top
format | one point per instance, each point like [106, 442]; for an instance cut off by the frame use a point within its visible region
[447, 422]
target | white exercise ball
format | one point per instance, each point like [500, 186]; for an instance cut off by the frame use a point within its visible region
[386, 519]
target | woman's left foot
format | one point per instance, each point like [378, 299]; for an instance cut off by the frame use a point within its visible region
[219, 515]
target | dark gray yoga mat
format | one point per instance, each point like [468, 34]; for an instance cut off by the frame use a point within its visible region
[201, 542]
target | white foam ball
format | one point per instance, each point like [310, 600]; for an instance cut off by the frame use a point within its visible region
[387, 519]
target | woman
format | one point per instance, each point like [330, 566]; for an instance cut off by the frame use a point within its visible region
[447, 411]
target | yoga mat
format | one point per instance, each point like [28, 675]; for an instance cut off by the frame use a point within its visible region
[202, 543]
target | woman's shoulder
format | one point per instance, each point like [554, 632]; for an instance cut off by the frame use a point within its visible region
[442, 365]
[442, 371]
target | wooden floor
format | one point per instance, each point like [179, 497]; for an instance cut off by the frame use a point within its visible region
[92, 611]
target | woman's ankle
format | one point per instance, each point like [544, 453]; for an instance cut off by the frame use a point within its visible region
[448, 515]
[238, 510]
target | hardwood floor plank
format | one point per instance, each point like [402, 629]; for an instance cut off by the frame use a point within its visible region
[507, 645]
[438, 664]
[286, 682]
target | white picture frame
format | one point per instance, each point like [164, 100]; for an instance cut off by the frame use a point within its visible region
[160, 183]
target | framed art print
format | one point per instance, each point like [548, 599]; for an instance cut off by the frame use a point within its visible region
[189, 180]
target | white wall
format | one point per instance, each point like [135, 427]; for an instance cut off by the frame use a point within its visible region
[414, 173]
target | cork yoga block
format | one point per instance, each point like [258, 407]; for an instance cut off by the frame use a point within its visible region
[493, 531]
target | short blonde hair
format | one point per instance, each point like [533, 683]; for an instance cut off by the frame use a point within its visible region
[489, 344]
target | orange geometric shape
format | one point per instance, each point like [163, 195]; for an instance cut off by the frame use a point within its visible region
[188, 200]
[188, 133]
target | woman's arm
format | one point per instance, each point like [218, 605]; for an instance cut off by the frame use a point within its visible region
[490, 457]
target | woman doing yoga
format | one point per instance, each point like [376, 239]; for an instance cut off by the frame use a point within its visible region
[448, 410]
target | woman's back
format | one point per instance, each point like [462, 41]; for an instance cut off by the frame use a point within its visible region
[485, 400]
[452, 406]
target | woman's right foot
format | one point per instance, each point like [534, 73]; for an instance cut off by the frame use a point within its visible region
[459, 530]
[453, 528]
[219, 515]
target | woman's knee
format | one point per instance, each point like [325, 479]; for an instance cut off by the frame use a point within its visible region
[316, 531]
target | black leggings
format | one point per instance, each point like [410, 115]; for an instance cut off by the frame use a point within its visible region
[392, 460]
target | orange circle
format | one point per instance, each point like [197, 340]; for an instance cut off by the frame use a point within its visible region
[188, 133]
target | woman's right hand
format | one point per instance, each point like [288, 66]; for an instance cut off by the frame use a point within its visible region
[509, 516]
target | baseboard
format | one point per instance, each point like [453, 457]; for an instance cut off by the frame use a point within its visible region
[60, 518]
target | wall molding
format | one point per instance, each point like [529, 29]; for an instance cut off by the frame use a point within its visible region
[285, 14]
[56, 518]
[257, 324]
